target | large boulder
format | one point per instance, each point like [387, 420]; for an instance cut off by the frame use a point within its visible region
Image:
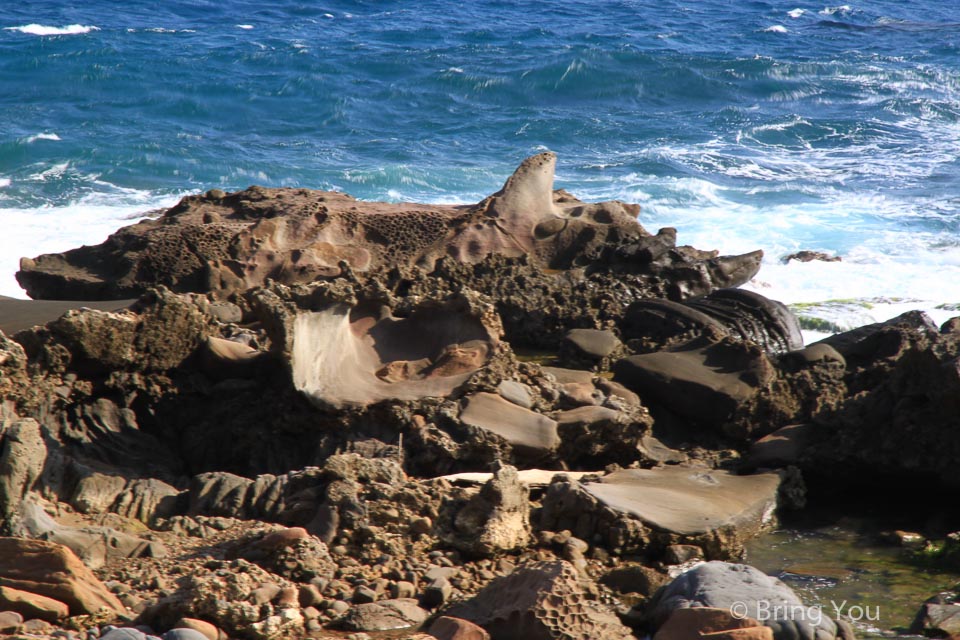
[542, 601]
[222, 243]
[705, 380]
[746, 592]
[740, 314]
[52, 570]
[898, 421]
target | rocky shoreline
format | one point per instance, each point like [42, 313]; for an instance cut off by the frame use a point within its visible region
[282, 413]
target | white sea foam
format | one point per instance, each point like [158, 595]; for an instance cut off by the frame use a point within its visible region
[87, 220]
[796, 13]
[42, 136]
[43, 30]
[829, 11]
[244, 26]
[889, 263]
[776, 28]
[4, 182]
[50, 173]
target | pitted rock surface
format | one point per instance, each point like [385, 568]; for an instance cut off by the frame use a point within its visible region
[543, 601]
[223, 243]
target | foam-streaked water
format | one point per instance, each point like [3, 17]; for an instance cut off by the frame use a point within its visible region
[761, 124]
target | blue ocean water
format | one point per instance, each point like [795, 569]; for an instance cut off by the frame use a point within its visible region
[757, 124]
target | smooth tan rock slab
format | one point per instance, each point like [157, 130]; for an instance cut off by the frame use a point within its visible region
[348, 355]
[522, 428]
[32, 605]
[689, 500]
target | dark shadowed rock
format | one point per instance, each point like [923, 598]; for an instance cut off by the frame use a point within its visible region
[898, 417]
[809, 256]
[593, 436]
[705, 380]
[738, 313]
[781, 448]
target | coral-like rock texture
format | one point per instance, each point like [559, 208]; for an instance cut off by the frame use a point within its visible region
[223, 243]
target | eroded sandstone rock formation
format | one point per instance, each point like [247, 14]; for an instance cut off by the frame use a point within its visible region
[324, 413]
[224, 243]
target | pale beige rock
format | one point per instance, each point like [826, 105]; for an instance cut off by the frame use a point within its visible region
[541, 601]
[690, 500]
[530, 477]
[494, 520]
[350, 355]
[22, 458]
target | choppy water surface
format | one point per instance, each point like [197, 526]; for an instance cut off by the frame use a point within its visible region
[760, 124]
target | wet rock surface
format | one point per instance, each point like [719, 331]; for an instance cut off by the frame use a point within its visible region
[321, 416]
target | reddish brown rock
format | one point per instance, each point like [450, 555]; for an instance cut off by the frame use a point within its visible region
[32, 605]
[210, 631]
[52, 570]
[720, 624]
[447, 628]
